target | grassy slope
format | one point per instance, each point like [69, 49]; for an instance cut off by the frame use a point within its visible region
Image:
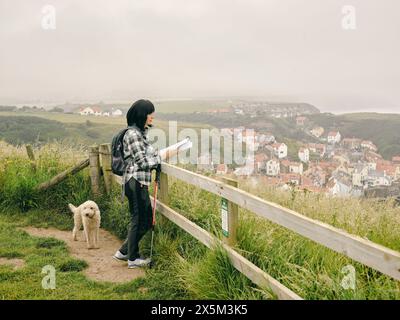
[172, 277]
[45, 127]
[382, 129]
[311, 270]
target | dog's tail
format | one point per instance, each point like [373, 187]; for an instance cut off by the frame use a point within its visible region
[72, 207]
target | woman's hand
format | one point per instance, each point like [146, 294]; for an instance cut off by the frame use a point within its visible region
[168, 154]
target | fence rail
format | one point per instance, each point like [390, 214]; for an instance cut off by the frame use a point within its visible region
[364, 251]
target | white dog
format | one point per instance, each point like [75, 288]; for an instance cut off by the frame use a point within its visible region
[88, 214]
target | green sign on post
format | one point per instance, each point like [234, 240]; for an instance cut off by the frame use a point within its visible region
[224, 217]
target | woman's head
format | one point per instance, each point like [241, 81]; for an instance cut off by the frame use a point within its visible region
[141, 114]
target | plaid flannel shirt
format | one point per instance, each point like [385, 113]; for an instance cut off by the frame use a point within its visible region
[142, 156]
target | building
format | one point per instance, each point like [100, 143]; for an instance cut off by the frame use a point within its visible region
[339, 186]
[397, 174]
[377, 178]
[272, 168]
[280, 150]
[291, 167]
[301, 121]
[267, 138]
[317, 131]
[334, 137]
[222, 169]
[205, 163]
[86, 111]
[317, 148]
[117, 113]
[316, 175]
[260, 161]
[291, 178]
[396, 159]
[359, 174]
[366, 144]
[304, 155]
[351, 143]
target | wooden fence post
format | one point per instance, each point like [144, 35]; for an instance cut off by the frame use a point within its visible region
[230, 216]
[105, 156]
[164, 198]
[31, 156]
[94, 164]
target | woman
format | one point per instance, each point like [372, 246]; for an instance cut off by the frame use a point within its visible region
[143, 158]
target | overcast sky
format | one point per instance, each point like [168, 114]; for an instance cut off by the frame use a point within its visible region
[288, 50]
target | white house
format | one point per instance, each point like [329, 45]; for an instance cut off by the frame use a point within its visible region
[117, 113]
[334, 137]
[359, 174]
[339, 187]
[304, 155]
[86, 111]
[97, 111]
[106, 114]
[378, 178]
[272, 168]
[296, 167]
[280, 150]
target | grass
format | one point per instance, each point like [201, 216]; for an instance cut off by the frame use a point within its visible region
[41, 128]
[184, 268]
[25, 283]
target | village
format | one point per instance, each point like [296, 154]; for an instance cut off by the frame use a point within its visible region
[338, 166]
[334, 164]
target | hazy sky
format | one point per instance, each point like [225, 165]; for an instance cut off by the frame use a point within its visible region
[294, 50]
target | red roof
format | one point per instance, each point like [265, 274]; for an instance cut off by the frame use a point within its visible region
[222, 167]
[396, 159]
[260, 157]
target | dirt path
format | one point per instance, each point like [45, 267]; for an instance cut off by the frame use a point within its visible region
[101, 265]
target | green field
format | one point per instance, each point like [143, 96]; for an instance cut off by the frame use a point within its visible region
[42, 127]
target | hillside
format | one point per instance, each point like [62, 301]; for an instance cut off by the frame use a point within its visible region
[184, 268]
[20, 127]
[382, 129]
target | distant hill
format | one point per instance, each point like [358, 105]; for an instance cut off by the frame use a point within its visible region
[31, 129]
[382, 129]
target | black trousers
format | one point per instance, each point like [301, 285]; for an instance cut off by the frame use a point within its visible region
[141, 217]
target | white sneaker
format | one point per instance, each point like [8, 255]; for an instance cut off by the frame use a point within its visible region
[119, 256]
[138, 263]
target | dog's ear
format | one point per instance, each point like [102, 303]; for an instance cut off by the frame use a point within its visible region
[97, 209]
[72, 208]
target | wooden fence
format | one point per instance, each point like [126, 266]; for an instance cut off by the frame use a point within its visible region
[378, 257]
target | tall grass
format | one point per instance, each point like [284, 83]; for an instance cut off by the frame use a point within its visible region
[184, 268]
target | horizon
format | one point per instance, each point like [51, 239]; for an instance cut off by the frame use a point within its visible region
[338, 111]
[337, 57]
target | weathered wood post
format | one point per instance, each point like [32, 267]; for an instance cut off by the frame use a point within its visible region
[94, 164]
[164, 198]
[31, 156]
[105, 156]
[230, 216]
